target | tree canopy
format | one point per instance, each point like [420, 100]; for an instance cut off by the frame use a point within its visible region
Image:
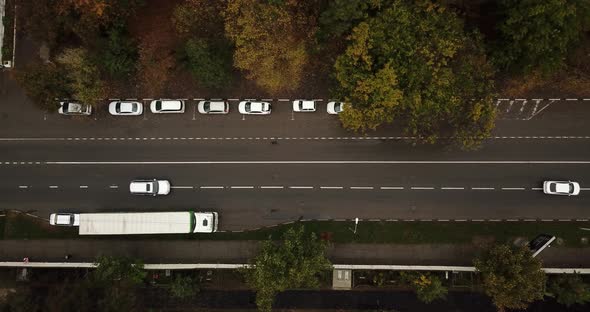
[294, 262]
[511, 277]
[83, 74]
[537, 34]
[569, 289]
[415, 63]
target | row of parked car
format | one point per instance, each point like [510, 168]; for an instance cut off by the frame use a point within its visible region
[134, 108]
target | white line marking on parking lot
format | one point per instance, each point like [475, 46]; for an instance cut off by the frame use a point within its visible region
[451, 188]
[361, 187]
[422, 188]
[211, 187]
[272, 187]
[181, 187]
[513, 188]
[392, 187]
[301, 187]
[242, 187]
[331, 187]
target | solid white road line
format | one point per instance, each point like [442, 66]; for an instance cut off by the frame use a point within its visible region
[272, 187]
[211, 187]
[181, 187]
[331, 187]
[392, 187]
[327, 162]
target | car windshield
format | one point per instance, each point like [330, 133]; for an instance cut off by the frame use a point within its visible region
[158, 105]
[248, 107]
[148, 187]
[553, 187]
[207, 106]
[66, 106]
[338, 107]
[571, 188]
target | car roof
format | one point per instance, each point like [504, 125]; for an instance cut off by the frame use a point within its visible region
[217, 105]
[139, 185]
[62, 218]
[256, 106]
[563, 187]
[203, 222]
[307, 104]
[126, 106]
[171, 104]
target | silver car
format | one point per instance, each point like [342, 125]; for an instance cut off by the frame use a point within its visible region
[71, 108]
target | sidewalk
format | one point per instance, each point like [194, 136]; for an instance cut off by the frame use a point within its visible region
[238, 252]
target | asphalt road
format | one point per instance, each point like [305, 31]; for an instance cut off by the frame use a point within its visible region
[265, 170]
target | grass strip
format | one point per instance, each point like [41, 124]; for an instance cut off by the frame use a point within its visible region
[570, 234]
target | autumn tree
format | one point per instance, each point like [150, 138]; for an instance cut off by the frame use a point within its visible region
[511, 276]
[414, 63]
[538, 34]
[155, 65]
[44, 83]
[294, 262]
[428, 286]
[270, 42]
[342, 15]
[569, 289]
[83, 74]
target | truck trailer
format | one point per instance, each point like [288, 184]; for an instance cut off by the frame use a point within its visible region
[124, 223]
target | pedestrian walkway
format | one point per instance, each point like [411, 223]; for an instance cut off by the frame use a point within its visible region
[239, 252]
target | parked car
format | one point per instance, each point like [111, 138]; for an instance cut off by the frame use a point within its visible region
[167, 106]
[64, 219]
[149, 187]
[561, 188]
[335, 108]
[71, 108]
[304, 106]
[213, 107]
[125, 108]
[254, 108]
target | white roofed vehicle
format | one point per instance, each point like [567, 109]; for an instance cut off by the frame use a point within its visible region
[304, 106]
[71, 108]
[167, 106]
[254, 108]
[213, 107]
[149, 187]
[568, 188]
[125, 108]
[64, 219]
[335, 108]
[126, 223]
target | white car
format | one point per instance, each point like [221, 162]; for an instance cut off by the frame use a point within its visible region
[167, 106]
[149, 187]
[64, 219]
[125, 108]
[303, 106]
[254, 108]
[335, 108]
[561, 188]
[213, 107]
[71, 108]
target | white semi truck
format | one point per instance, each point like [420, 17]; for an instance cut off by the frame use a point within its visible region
[125, 223]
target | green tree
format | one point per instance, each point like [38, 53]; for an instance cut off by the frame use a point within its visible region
[295, 262]
[537, 34]
[569, 289]
[211, 66]
[511, 277]
[413, 62]
[183, 287]
[199, 18]
[342, 15]
[44, 83]
[269, 44]
[118, 53]
[111, 269]
[428, 287]
[83, 75]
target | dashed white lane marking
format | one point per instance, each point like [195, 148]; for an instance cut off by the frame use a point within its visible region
[422, 188]
[301, 187]
[83, 186]
[53, 186]
[392, 187]
[536, 188]
[361, 187]
[451, 188]
[513, 188]
[272, 187]
[242, 187]
[23, 186]
[585, 188]
[211, 187]
[114, 186]
[483, 188]
[331, 187]
[182, 187]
